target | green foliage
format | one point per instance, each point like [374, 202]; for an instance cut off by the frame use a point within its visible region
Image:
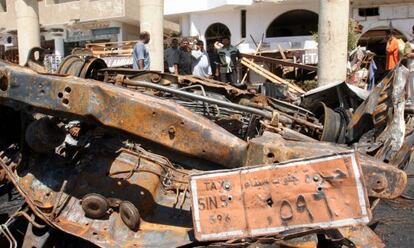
[353, 36]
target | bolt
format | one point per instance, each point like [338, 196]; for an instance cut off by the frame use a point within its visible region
[316, 178]
[227, 186]
[171, 132]
[378, 182]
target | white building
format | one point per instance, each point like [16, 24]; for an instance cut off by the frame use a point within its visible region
[285, 23]
[71, 23]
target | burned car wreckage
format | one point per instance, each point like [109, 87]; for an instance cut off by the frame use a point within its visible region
[124, 158]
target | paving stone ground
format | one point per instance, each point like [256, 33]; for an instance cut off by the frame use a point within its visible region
[396, 220]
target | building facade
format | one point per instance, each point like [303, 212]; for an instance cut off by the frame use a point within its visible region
[288, 24]
[66, 24]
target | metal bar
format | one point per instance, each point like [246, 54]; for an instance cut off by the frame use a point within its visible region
[202, 89]
[259, 112]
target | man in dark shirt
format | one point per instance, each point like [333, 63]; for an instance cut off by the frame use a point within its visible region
[171, 56]
[227, 62]
[213, 57]
[185, 60]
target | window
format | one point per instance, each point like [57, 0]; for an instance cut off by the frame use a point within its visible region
[293, 23]
[3, 6]
[364, 12]
[243, 23]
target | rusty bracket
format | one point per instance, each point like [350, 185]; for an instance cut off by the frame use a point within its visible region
[139, 114]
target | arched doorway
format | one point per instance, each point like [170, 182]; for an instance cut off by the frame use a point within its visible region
[216, 32]
[298, 22]
[375, 41]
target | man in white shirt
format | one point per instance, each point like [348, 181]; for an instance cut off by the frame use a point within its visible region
[201, 62]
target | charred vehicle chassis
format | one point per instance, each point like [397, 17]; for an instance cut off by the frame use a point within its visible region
[110, 162]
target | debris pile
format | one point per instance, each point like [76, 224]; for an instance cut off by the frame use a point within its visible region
[120, 157]
[361, 68]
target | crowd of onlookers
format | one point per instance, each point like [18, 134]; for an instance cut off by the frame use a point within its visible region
[219, 62]
[183, 58]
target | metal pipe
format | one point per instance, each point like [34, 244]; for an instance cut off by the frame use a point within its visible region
[256, 111]
[202, 89]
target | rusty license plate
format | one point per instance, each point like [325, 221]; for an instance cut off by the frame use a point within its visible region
[324, 192]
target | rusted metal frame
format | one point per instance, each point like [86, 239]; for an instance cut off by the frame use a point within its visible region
[293, 118]
[382, 180]
[230, 90]
[361, 236]
[32, 240]
[151, 118]
[279, 62]
[202, 90]
[13, 178]
[393, 135]
[365, 112]
[88, 226]
[23, 87]
[402, 157]
[266, 114]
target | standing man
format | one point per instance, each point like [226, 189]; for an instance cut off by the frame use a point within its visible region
[185, 60]
[227, 62]
[393, 56]
[213, 57]
[140, 54]
[201, 62]
[171, 56]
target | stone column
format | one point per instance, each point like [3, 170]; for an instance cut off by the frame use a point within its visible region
[59, 46]
[152, 20]
[28, 29]
[185, 25]
[333, 41]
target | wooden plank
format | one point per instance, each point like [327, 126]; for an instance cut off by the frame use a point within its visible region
[281, 80]
[263, 72]
[279, 62]
[248, 69]
[267, 74]
[282, 53]
[273, 78]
